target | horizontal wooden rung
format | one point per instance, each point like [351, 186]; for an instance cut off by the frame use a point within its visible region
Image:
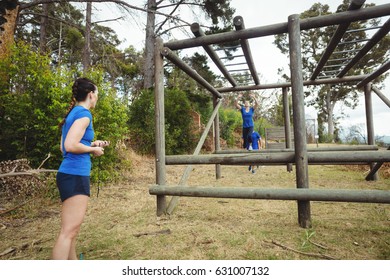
[337, 195]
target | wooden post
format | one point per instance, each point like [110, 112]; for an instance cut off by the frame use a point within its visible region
[301, 158]
[370, 124]
[217, 143]
[160, 124]
[287, 126]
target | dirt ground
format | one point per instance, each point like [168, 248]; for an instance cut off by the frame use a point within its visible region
[122, 224]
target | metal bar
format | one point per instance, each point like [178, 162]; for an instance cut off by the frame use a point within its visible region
[234, 64]
[336, 195]
[191, 72]
[381, 95]
[349, 79]
[335, 65]
[330, 71]
[347, 51]
[363, 29]
[279, 158]
[370, 44]
[198, 32]
[238, 70]
[280, 28]
[334, 41]
[239, 25]
[375, 74]
[338, 59]
[187, 171]
[353, 42]
[160, 124]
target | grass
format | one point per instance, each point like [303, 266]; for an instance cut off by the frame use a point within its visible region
[210, 228]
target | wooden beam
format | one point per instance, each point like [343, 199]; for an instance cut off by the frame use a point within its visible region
[239, 25]
[198, 32]
[280, 28]
[280, 158]
[337, 195]
[169, 54]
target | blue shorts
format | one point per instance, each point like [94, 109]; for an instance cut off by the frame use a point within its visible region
[71, 185]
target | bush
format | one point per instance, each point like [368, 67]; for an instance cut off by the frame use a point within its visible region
[35, 100]
[179, 135]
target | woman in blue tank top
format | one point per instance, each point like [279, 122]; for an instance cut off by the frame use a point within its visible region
[247, 113]
[73, 176]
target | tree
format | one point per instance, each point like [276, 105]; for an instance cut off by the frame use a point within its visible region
[219, 11]
[314, 41]
[179, 134]
[9, 11]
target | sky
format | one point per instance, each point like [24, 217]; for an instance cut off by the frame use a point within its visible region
[267, 57]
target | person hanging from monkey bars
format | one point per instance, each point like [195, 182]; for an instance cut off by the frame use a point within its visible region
[247, 112]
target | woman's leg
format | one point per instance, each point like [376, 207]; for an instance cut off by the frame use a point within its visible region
[72, 252]
[72, 216]
[245, 131]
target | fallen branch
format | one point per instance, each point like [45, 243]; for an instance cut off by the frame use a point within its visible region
[318, 245]
[21, 247]
[31, 172]
[16, 207]
[7, 251]
[164, 231]
[302, 253]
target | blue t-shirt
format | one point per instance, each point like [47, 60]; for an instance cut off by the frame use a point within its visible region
[255, 140]
[77, 164]
[247, 117]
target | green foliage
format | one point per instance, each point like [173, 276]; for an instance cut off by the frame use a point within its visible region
[277, 111]
[230, 122]
[110, 123]
[30, 108]
[261, 124]
[179, 136]
[36, 99]
[219, 10]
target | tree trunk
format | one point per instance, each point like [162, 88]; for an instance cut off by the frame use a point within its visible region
[87, 46]
[330, 107]
[149, 46]
[9, 11]
[43, 29]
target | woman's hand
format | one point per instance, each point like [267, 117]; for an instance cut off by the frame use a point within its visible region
[98, 147]
[98, 151]
[100, 143]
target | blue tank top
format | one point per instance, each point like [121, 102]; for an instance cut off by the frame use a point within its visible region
[77, 164]
[247, 117]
